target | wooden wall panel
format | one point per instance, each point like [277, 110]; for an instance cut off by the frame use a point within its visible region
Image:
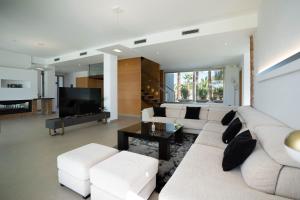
[129, 87]
[151, 77]
[82, 82]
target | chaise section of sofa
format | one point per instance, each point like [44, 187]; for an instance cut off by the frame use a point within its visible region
[200, 177]
[268, 173]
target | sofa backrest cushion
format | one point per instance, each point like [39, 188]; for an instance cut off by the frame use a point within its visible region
[217, 113]
[260, 171]
[254, 118]
[289, 183]
[173, 112]
[272, 141]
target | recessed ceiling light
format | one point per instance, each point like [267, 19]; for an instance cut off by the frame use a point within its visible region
[117, 50]
[226, 44]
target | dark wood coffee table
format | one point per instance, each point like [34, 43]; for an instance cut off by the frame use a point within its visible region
[163, 134]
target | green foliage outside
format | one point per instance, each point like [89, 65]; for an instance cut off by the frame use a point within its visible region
[218, 93]
[202, 89]
[184, 92]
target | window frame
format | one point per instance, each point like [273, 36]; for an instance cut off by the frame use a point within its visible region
[194, 96]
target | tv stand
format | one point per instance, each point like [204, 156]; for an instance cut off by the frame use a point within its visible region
[56, 123]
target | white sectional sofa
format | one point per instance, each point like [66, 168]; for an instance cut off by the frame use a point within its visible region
[268, 173]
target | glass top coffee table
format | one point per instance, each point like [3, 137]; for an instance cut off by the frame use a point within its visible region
[163, 134]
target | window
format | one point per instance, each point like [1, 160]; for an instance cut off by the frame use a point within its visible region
[217, 85]
[202, 92]
[184, 86]
[200, 86]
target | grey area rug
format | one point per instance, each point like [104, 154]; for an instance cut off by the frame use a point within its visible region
[166, 168]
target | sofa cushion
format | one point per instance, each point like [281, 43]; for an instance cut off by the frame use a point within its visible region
[217, 113]
[159, 111]
[272, 141]
[288, 183]
[232, 130]
[238, 150]
[255, 118]
[210, 138]
[173, 112]
[237, 115]
[228, 117]
[173, 105]
[192, 112]
[191, 123]
[163, 119]
[214, 126]
[260, 171]
[200, 176]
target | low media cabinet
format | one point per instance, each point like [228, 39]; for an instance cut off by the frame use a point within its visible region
[56, 123]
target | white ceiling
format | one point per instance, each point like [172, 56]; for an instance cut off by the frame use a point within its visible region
[48, 28]
[187, 54]
[77, 65]
[202, 52]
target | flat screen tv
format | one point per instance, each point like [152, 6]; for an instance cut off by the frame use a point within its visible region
[79, 101]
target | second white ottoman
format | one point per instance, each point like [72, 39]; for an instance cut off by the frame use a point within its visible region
[123, 176]
[73, 166]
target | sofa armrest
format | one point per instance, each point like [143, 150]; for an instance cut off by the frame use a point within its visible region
[147, 114]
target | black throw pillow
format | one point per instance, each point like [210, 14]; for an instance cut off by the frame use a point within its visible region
[228, 118]
[232, 130]
[159, 111]
[238, 150]
[192, 112]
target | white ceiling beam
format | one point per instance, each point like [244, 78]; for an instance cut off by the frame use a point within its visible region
[210, 28]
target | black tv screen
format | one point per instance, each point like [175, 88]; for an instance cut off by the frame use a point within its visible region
[79, 101]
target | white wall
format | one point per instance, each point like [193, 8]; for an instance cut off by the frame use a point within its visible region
[11, 59]
[13, 66]
[231, 85]
[111, 85]
[278, 33]
[50, 86]
[39, 83]
[246, 87]
[19, 93]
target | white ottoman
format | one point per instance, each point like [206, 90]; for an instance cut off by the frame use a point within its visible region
[123, 176]
[73, 166]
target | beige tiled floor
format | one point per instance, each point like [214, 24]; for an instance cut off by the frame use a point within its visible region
[28, 155]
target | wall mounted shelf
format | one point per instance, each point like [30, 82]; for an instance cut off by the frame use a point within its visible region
[7, 83]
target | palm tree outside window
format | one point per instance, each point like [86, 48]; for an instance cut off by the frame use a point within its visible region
[200, 86]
